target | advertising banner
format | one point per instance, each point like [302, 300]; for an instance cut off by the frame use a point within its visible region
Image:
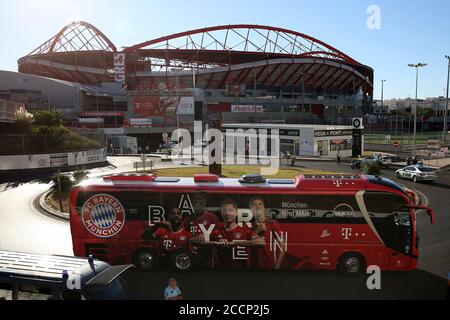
[141, 122]
[101, 114]
[332, 133]
[91, 120]
[86, 157]
[119, 67]
[186, 106]
[58, 160]
[155, 105]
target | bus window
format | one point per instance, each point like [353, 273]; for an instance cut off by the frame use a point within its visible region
[391, 219]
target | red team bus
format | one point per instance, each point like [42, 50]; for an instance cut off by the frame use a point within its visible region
[327, 222]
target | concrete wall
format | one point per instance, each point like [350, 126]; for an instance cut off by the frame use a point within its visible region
[54, 160]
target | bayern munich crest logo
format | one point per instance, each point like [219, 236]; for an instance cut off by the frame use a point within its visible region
[103, 215]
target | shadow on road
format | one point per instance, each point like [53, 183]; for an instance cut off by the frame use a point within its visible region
[10, 181]
[288, 285]
[440, 185]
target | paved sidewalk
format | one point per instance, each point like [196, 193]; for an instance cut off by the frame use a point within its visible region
[121, 164]
[436, 163]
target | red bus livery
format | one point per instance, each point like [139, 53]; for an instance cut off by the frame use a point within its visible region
[311, 222]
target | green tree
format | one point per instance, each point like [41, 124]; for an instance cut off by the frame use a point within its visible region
[424, 112]
[62, 184]
[24, 121]
[373, 169]
[79, 175]
[48, 118]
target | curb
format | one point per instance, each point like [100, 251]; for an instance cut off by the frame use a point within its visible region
[49, 210]
[422, 199]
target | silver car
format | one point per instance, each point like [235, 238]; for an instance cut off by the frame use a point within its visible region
[386, 161]
[416, 173]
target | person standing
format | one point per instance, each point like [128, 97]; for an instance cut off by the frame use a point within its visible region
[172, 291]
[338, 157]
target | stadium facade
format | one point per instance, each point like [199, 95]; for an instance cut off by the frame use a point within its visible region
[232, 73]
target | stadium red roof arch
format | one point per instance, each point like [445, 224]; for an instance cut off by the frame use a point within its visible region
[234, 54]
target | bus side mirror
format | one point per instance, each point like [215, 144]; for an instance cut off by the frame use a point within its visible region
[429, 211]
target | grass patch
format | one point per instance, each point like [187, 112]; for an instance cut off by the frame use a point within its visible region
[236, 172]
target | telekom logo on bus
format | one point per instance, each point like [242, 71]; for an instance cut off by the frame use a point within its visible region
[103, 215]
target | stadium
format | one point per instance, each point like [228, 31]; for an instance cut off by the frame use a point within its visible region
[235, 73]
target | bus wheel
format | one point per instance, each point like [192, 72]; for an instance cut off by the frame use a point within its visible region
[182, 260]
[351, 263]
[145, 259]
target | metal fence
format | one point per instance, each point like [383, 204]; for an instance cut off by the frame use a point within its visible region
[400, 125]
[36, 143]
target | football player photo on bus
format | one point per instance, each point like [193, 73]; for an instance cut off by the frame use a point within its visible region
[171, 233]
[263, 226]
[197, 221]
[231, 239]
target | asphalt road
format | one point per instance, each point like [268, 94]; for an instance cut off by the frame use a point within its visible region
[288, 285]
[24, 228]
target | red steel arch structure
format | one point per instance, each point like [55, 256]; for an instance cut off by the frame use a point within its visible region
[239, 43]
[220, 56]
[79, 52]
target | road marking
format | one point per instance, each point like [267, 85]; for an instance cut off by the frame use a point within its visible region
[422, 196]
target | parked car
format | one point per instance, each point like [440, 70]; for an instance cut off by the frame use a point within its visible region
[167, 147]
[386, 161]
[416, 173]
[356, 164]
[360, 162]
[372, 160]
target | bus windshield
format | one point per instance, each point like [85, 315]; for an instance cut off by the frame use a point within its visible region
[392, 219]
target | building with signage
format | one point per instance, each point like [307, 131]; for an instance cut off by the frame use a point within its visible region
[232, 74]
[82, 105]
[305, 140]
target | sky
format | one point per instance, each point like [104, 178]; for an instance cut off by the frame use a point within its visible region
[400, 32]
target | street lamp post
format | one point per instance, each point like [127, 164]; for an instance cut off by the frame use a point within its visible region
[382, 92]
[444, 131]
[98, 116]
[417, 66]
